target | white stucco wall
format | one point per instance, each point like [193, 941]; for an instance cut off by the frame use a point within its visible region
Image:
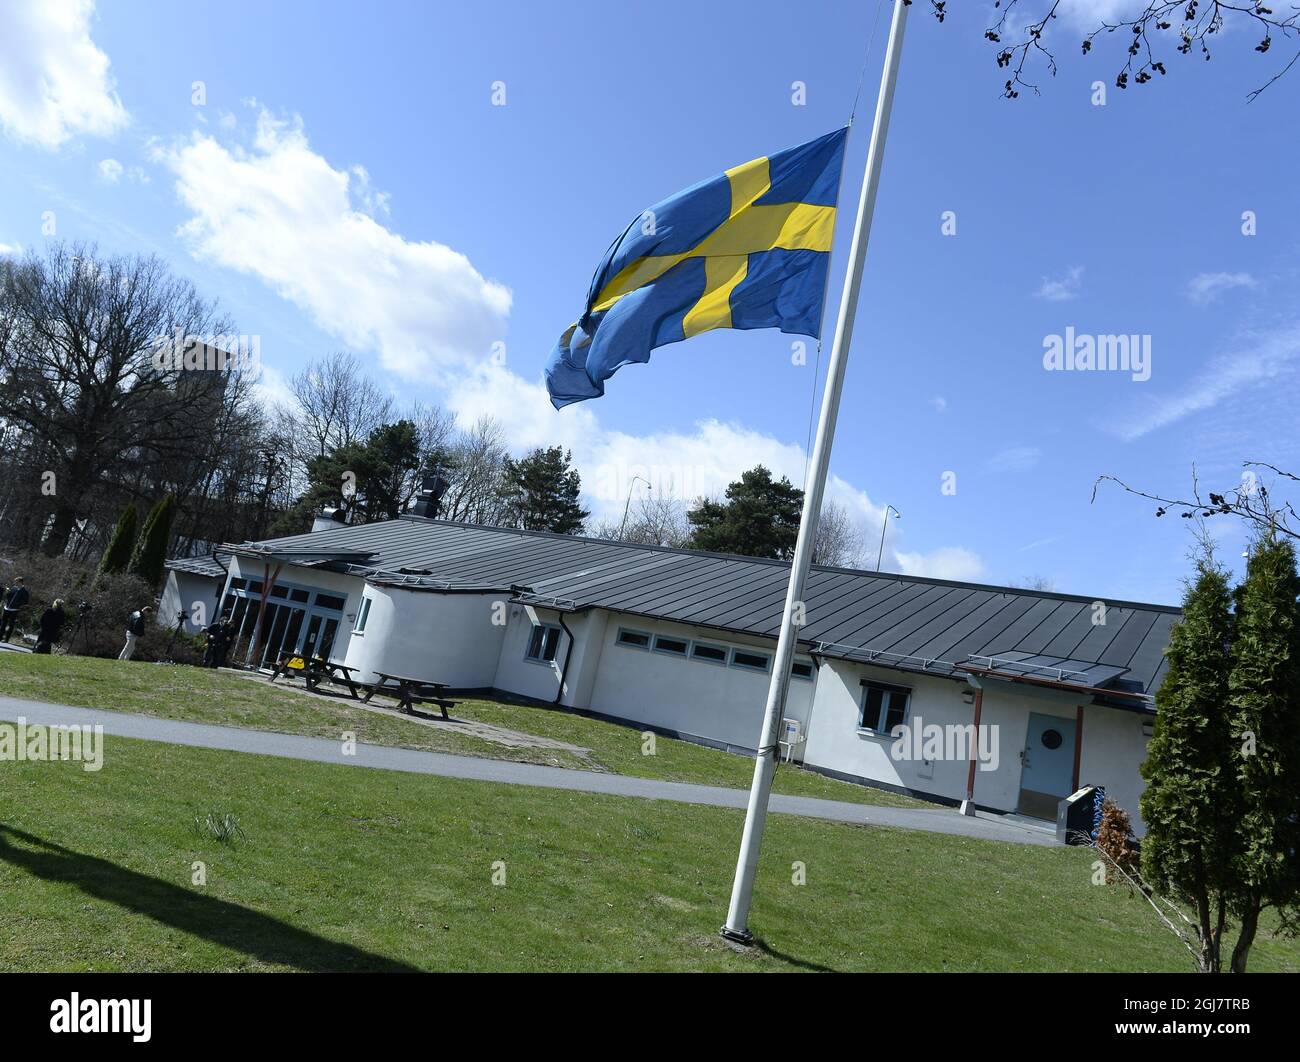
[723, 704]
[441, 637]
[181, 592]
[1113, 743]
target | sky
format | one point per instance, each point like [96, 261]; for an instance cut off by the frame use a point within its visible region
[432, 185]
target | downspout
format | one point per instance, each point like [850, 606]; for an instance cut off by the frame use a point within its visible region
[968, 805]
[568, 654]
[1078, 745]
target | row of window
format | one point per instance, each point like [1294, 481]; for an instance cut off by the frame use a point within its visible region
[709, 652]
[288, 592]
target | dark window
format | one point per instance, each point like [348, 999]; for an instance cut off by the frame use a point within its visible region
[279, 591]
[330, 601]
[676, 646]
[883, 707]
[802, 669]
[751, 661]
[299, 595]
[543, 642]
[1051, 739]
[634, 639]
[714, 654]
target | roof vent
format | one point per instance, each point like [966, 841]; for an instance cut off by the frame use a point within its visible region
[328, 518]
[430, 496]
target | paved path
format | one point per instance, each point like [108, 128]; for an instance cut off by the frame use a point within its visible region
[322, 750]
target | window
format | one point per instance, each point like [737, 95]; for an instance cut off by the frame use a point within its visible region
[634, 639]
[883, 707]
[542, 644]
[713, 654]
[749, 661]
[299, 595]
[802, 669]
[676, 646]
[362, 615]
[330, 601]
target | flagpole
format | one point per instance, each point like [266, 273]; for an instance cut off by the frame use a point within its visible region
[737, 927]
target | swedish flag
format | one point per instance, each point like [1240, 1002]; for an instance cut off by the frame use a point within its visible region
[746, 249]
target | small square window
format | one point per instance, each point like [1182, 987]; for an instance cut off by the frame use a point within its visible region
[634, 639]
[802, 669]
[542, 643]
[675, 646]
[883, 707]
[712, 654]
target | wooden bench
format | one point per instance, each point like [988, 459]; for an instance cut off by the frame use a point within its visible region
[315, 671]
[409, 692]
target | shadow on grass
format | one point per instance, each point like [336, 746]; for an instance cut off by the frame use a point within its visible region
[239, 928]
[761, 945]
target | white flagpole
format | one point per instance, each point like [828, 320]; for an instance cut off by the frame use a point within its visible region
[765, 763]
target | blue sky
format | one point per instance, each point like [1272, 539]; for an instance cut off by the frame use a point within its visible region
[347, 182]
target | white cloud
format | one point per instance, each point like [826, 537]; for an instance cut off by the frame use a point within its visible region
[110, 171]
[282, 213]
[682, 464]
[939, 403]
[1063, 288]
[1013, 459]
[11, 248]
[948, 562]
[54, 82]
[1263, 358]
[1206, 287]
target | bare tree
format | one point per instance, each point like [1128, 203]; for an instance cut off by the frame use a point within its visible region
[337, 404]
[655, 520]
[839, 540]
[473, 463]
[82, 383]
[1021, 30]
[1250, 500]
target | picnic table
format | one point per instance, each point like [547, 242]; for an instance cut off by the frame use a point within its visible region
[409, 692]
[316, 670]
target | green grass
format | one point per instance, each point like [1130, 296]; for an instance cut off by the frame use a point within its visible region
[346, 868]
[205, 696]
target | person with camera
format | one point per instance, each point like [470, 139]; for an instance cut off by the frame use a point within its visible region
[134, 628]
[14, 602]
[50, 627]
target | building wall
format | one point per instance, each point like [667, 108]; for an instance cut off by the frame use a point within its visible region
[440, 637]
[1113, 743]
[349, 587]
[720, 703]
[181, 592]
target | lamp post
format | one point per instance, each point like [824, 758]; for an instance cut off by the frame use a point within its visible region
[885, 524]
[630, 487]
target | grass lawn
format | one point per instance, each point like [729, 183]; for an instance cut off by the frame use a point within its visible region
[347, 868]
[205, 696]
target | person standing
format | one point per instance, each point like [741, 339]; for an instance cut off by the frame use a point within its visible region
[14, 603]
[50, 627]
[224, 641]
[134, 628]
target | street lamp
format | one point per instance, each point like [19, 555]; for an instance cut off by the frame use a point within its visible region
[630, 487]
[885, 524]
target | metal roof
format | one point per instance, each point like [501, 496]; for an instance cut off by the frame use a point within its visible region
[896, 621]
[209, 566]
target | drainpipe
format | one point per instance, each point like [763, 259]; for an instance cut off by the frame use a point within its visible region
[568, 653]
[1078, 745]
[968, 805]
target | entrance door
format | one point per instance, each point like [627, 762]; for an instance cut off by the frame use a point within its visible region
[1047, 765]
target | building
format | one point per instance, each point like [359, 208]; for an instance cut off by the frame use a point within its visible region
[682, 642]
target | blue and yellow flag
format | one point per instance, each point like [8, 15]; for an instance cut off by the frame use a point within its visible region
[746, 249]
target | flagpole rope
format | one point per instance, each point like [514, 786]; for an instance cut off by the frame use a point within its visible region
[817, 369]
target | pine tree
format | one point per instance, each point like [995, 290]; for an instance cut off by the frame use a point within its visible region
[760, 517]
[150, 552]
[541, 492]
[118, 554]
[1264, 694]
[1191, 802]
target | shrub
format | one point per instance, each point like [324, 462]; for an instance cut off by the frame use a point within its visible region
[1116, 841]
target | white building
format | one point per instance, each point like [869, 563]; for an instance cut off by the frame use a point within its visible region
[682, 642]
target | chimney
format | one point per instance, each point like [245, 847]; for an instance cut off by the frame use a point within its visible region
[429, 497]
[326, 519]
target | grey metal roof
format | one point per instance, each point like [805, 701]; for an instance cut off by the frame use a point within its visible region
[896, 621]
[209, 566]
